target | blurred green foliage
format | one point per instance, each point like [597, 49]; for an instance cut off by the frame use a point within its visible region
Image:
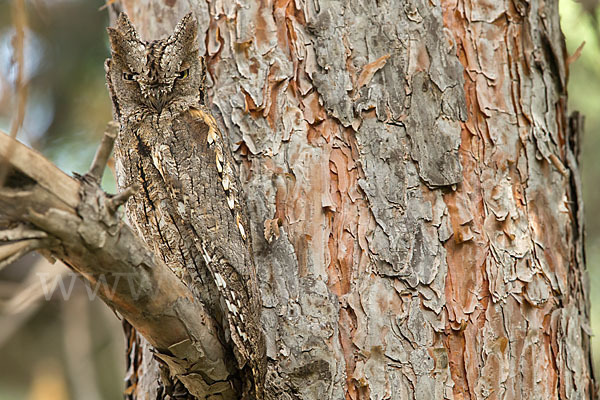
[579, 25]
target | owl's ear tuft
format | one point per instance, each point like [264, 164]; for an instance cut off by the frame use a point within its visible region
[126, 27]
[118, 43]
[186, 31]
[121, 45]
[115, 38]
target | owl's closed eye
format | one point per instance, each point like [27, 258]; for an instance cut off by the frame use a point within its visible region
[150, 76]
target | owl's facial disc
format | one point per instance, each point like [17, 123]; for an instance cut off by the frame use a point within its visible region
[157, 89]
[156, 94]
[153, 76]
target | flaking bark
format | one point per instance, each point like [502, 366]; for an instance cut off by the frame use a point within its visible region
[415, 173]
[414, 160]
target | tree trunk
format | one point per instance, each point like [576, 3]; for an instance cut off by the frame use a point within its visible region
[414, 195]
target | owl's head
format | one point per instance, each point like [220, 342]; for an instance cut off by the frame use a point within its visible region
[150, 77]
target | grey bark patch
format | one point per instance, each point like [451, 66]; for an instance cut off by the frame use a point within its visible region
[332, 79]
[406, 245]
[382, 149]
[434, 137]
[421, 83]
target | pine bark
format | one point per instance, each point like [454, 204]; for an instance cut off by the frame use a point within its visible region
[413, 187]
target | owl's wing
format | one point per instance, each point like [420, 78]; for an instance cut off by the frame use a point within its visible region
[217, 212]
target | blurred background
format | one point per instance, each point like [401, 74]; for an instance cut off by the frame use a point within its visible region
[54, 343]
[580, 25]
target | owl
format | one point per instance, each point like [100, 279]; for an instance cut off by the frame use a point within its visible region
[190, 208]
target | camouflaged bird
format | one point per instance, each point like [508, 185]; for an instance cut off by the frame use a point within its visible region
[189, 208]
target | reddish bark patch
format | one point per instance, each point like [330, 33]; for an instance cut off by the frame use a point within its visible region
[509, 258]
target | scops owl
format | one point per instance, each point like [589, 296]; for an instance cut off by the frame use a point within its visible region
[189, 208]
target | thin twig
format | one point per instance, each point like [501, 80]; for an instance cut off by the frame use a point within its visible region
[18, 44]
[103, 153]
[21, 232]
[106, 5]
[118, 200]
[11, 252]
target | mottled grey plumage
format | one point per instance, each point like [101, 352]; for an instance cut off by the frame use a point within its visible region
[190, 207]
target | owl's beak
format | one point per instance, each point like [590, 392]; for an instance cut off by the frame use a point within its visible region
[157, 101]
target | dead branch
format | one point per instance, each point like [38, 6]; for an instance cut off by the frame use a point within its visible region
[75, 221]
